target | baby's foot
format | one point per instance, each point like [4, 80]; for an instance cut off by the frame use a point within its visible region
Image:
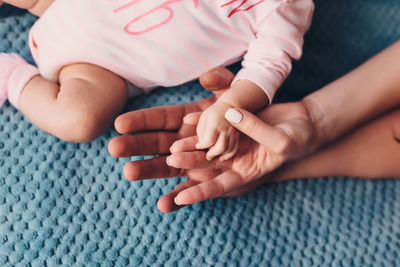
[8, 62]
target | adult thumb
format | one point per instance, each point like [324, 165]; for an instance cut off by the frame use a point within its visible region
[273, 138]
[217, 80]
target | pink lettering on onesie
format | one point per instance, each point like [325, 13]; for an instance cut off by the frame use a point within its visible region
[197, 35]
[243, 6]
[166, 6]
[239, 7]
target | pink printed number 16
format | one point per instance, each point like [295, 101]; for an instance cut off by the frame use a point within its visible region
[164, 6]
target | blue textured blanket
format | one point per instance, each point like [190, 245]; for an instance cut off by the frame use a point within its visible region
[68, 204]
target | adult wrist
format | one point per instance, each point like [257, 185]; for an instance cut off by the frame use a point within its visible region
[317, 118]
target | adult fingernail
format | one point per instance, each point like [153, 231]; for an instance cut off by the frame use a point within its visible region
[186, 119]
[178, 200]
[233, 115]
[167, 160]
[172, 149]
[200, 145]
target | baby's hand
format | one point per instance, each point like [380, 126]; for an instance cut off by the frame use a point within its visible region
[215, 133]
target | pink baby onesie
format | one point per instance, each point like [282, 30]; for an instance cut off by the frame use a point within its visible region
[169, 42]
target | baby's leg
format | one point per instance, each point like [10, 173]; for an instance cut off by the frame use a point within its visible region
[81, 108]
[36, 7]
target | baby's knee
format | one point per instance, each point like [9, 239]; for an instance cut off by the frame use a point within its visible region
[80, 128]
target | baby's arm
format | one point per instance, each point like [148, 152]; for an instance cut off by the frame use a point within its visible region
[245, 94]
[266, 65]
[279, 40]
[213, 130]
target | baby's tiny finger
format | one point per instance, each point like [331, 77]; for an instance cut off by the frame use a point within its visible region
[207, 140]
[210, 155]
[219, 148]
[229, 154]
[204, 144]
[232, 147]
[226, 156]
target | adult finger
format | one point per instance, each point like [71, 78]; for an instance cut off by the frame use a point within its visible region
[151, 143]
[195, 160]
[249, 187]
[149, 169]
[189, 160]
[278, 175]
[167, 204]
[196, 176]
[213, 188]
[157, 118]
[269, 136]
[217, 79]
[157, 168]
[192, 118]
[184, 145]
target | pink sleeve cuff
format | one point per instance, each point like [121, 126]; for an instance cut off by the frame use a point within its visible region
[19, 77]
[267, 85]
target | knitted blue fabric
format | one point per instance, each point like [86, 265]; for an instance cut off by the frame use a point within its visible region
[68, 204]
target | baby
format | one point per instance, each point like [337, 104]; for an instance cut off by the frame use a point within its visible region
[93, 54]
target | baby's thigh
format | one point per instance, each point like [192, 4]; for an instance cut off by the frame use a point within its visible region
[91, 97]
[92, 87]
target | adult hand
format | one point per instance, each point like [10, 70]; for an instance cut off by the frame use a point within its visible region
[280, 133]
[206, 179]
[152, 131]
